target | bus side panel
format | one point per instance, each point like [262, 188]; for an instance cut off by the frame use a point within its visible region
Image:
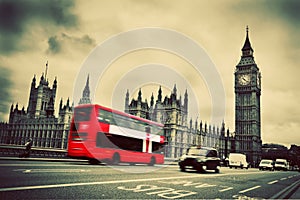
[133, 157]
[78, 150]
[159, 158]
[104, 154]
[139, 157]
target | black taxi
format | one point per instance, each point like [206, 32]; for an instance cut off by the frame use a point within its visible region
[200, 159]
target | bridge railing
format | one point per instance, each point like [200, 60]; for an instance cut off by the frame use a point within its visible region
[17, 150]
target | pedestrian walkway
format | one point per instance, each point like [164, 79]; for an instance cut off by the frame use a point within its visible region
[168, 161]
[44, 159]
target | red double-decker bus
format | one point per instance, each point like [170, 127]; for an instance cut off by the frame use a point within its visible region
[101, 134]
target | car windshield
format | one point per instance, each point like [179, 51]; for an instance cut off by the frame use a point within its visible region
[197, 152]
[266, 162]
[280, 163]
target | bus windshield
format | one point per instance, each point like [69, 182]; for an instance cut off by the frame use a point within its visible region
[82, 114]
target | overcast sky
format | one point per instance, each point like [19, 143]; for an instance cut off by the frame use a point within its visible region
[64, 33]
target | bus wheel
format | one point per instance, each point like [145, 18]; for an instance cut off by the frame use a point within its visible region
[152, 161]
[116, 159]
[94, 161]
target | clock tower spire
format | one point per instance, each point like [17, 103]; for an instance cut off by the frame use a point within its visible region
[247, 104]
[247, 49]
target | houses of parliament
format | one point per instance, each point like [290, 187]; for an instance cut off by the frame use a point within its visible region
[49, 131]
[180, 132]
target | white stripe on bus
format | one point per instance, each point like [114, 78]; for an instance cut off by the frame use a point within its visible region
[117, 130]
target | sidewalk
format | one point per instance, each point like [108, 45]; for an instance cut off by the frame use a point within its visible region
[168, 161]
[44, 159]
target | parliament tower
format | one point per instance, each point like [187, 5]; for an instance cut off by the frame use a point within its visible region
[247, 105]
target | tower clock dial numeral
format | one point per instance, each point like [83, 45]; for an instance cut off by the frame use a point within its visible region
[244, 79]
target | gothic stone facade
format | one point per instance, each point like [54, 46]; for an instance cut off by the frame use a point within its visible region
[38, 121]
[173, 113]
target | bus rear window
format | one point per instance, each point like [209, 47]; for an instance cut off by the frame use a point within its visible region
[82, 114]
[79, 136]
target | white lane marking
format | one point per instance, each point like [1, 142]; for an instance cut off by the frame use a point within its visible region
[50, 170]
[283, 179]
[226, 189]
[118, 181]
[106, 182]
[42, 165]
[162, 192]
[249, 189]
[93, 183]
[272, 182]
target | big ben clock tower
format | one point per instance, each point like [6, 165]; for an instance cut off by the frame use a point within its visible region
[247, 105]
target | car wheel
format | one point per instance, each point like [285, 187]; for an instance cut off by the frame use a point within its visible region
[200, 168]
[182, 169]
[217, 170]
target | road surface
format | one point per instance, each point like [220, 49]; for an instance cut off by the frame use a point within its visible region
[27, 179]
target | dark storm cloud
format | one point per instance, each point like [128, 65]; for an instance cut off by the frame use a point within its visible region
[83, 40]
[54, 45]
[288, 12]
[16, 15]
[283, 13]
[286, 9]
[5, 96]
[58, 42]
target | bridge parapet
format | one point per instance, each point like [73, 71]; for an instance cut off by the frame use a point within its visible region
[16, 150]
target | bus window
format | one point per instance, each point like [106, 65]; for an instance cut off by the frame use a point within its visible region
[148, 129]
[157, 130]
[126, 143]
[105, 117]
[82, 114]
[120, 120]
[157, 147]
[103, 141]
[78, 136]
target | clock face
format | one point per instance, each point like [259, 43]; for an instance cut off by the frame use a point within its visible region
[244, 79]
